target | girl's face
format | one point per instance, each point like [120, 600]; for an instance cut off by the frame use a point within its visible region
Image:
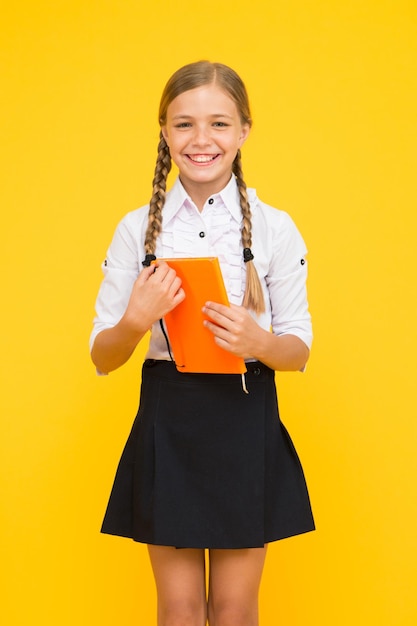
[204, 132]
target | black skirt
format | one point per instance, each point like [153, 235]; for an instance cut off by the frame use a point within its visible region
[207, 465]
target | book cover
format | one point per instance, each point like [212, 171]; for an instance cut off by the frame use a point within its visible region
[192, 345]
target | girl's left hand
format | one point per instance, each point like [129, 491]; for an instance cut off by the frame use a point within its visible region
[234, 329]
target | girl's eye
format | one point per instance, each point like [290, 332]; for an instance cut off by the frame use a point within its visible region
[220, 124]
[183, 125]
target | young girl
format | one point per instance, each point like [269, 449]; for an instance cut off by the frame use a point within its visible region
[206, 466]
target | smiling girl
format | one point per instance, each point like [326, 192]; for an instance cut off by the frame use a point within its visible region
[206, 466]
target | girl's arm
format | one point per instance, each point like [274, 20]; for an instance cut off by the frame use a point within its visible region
[156, 291]
[235, 330]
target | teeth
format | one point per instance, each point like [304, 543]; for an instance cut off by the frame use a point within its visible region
[202, 159]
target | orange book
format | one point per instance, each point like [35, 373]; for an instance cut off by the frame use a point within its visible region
[193, 345]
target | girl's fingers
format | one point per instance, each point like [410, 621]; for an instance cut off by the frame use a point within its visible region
[226, 316]
[219, 313]
[145, 274]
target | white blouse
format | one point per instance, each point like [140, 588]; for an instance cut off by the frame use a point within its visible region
[277, 246]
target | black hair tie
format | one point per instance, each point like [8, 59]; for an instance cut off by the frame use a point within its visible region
[247, 255]
[148, 259]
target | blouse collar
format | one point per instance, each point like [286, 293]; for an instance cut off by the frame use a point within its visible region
[177, 197]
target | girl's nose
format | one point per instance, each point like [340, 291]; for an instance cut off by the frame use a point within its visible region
[201, 137]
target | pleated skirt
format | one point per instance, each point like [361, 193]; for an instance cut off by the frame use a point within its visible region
[207, 465]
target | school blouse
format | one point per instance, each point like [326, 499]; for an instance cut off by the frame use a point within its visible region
[277, 246]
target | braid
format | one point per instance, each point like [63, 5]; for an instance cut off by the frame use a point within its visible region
[253, 297]
[159, 184]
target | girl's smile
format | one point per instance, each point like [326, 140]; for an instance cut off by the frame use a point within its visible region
[202, 159]
[204, 132]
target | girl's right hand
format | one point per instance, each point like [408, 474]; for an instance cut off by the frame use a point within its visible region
[156, 291]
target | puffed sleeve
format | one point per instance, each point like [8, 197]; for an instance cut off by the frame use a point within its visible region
[286, 282]
[120, 269]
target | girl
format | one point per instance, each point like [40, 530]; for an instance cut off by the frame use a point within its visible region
[206, 466]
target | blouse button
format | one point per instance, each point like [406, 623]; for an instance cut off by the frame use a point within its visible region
[211, 201]
[257, 371]
[202, 234]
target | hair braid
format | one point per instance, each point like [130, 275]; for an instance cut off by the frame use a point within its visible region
[159, 184]
[253, 297]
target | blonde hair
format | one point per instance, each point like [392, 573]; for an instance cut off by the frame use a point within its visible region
[189, 77]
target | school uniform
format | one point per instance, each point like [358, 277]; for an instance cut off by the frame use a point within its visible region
[207, 465]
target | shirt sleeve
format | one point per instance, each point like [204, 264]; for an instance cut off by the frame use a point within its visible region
[120, 269]
[286, 282]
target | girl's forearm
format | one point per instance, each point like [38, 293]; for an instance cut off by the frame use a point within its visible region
[114, 346]
[282, 352]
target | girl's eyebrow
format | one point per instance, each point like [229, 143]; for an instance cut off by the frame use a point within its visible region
[189, 117]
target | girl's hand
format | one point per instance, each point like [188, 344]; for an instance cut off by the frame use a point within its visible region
[156, 291]
[234, 329]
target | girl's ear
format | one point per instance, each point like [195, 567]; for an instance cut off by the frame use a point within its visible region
[165, 134]
[243, 135]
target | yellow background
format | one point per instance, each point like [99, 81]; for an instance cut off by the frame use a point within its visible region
[334, 99]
